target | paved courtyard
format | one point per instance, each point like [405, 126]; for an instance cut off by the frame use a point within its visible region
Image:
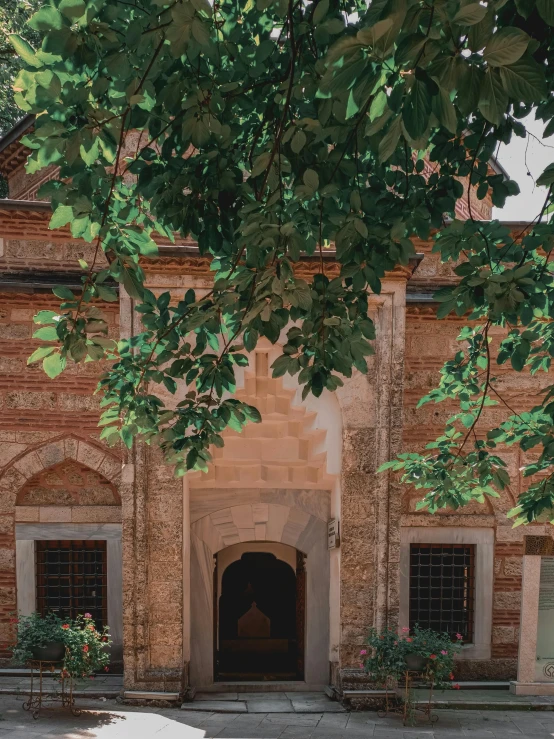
[110, 720]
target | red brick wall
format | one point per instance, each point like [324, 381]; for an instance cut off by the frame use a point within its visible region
[33, 411]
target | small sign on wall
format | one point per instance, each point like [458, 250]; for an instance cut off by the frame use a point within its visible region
[333, 538]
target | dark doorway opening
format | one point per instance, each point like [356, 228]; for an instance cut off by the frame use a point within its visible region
[260, 619]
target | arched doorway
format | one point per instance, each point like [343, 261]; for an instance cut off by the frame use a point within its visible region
[259, 615]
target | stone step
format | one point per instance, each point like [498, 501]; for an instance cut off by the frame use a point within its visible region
[255, 686]
[151, 695]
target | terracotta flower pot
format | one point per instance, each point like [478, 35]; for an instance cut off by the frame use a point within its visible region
[53, 652]
[415, 661]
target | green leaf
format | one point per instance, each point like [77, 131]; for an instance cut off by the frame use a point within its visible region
[54, 365]
[409, 48]
[547, 177]
[106, 293]
[24, 50]
[493, 100]
[48, 333]
[525, 81]
[46, 19]
[64, 293]
[321, 10]
[546, 11]
[72, 8]
[417, 109]
[260, 164]
[45, 316]
[298, 141]
[469, 87]
[61, 216]
[525, 7]
[389, 142]
[40, 353]
[370, 35]
[470, 14]
[445, 111]
[311, 179]
[506, 47]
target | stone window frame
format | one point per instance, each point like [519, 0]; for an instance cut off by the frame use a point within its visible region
[25, 536]
[483, 539]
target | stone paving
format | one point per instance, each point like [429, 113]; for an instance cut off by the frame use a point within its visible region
[110, 720]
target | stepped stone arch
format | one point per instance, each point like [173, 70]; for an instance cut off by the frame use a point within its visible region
[260, 522]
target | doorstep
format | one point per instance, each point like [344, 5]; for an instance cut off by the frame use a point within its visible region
[264, 702]
[275, 686]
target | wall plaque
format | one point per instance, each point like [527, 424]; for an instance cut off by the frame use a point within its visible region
[333, 538]
[545, 625]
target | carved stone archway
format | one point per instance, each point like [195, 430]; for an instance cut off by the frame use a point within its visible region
[260, 522]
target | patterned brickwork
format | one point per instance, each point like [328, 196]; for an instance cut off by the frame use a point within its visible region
[33, 412]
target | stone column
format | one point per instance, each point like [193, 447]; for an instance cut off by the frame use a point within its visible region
[530, 586]
[370, 507]
[186, 582]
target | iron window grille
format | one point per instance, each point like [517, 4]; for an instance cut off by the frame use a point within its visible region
[71, 579]
[442, 588]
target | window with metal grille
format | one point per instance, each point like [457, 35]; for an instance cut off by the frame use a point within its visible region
[442, 585]
[72, 579]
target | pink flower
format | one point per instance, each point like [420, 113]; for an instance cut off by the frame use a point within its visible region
[85, 648]
[459, 636]
[456, 687]
[405, 628]
[361, 666]
[409, 639]
[451, 676]
[443, 651]
[363, 652]
[432, 656]
[65, 626]
[88, 615]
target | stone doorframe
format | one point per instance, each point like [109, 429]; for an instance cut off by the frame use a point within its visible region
[25, 536]
[286, 525]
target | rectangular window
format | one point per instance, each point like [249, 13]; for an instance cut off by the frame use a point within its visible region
[442, 586]
[72, 579]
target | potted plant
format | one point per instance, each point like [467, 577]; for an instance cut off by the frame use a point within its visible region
[431, 652]
[389, 654]
[86, 651]
[39, 637]
[77, 644]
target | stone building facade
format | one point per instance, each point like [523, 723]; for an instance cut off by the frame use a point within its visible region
[228, 575]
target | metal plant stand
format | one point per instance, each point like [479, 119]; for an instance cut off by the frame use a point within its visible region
[405, 708]
[41, 697]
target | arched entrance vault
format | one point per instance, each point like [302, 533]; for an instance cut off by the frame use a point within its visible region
[270, 483]
[275, 523]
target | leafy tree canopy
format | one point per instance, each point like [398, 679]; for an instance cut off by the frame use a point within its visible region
[14, 15]
[272, 128]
